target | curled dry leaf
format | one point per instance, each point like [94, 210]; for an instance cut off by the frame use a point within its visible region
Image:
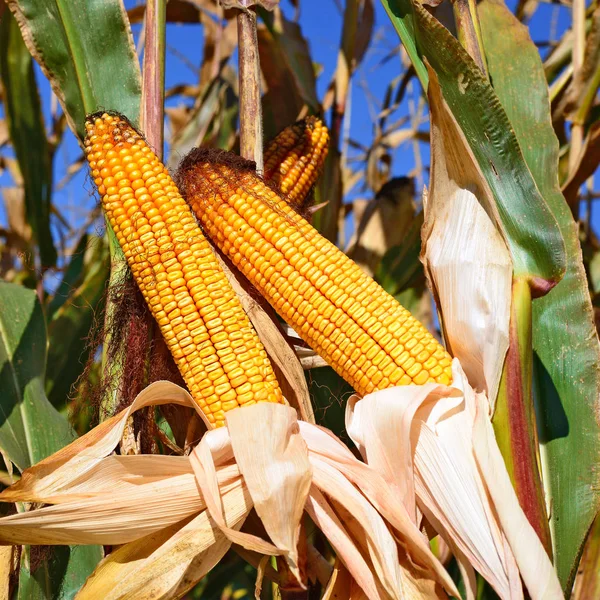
[246, 4]
[168, 563]
[275, 466]
[442, 438]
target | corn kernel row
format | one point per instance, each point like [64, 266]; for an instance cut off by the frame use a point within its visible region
[345, 316]
[294, 159]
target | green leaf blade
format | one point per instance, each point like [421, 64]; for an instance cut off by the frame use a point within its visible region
[86, 51]
[71, 323]
[28, 134]
[530, 229]
[564, 336]
[30, 427]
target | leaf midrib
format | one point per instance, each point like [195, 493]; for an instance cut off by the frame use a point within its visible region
[74, 52]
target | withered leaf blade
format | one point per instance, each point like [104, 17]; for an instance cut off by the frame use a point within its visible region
[246, 4]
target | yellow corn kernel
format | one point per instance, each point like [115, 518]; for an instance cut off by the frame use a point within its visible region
[295, 157]
[343, 314]
[197, 311]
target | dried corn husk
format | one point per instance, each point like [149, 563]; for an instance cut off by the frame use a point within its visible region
[466, 259]
[177, 515]
[441, 439]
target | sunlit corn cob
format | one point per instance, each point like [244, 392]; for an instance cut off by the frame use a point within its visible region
[293, 160]
[359, 329]
[212, 341]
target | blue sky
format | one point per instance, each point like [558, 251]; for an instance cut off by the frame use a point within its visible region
[321, 22]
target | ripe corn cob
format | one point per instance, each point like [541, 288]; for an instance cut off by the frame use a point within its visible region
[295, 157]
[345, 316]
[214, 345]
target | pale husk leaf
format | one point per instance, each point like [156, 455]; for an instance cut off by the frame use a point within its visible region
[325, 518]
[273, 459]
[45, 479]
[373, 537]
[342, 586]
[397, 573]
[170, 562]
[107, 500]
[451, 486]
[205, 470]
[466, 259]
[382, 494]
[339, 584]
[116, 514]
[535, 567]
[6, 570]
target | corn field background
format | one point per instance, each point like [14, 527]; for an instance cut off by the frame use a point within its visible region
[362, 67]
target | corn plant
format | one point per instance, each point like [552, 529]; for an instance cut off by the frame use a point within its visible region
[207, 392]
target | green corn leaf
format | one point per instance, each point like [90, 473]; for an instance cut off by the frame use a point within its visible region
[564, 336]
[70, 325]
[535, 242]
[31, 429]
[86, 51]
[27, 134]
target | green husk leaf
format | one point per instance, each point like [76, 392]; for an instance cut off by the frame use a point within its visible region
[535, 242]
[564, 337]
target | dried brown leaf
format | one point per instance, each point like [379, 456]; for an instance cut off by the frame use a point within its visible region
[585, 166]
[7, 564]
[383, 223]
[246, 4]
[14, 205]
[584, 84]
[4, 137]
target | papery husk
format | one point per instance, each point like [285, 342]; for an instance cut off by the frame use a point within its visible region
[7, 563]
[382, 493]
[170, 562]
[339, 584]
[47, 479]
[101, 499]
[342, 586]
[176, 516]
[467, 262]
[364, 524]
[328, 522]
[274, 463]
[461, 494]
[536, 569]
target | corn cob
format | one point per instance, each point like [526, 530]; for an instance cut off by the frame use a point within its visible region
[295, 157]
[345, 316]
[212, 341]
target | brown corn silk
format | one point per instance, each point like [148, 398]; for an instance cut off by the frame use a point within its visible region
[294, 159]
[217, 351]
[344, 315]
